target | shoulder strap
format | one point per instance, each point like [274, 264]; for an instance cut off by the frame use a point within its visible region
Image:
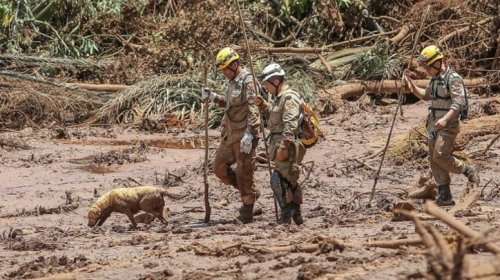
[243, 84]
[447, 81]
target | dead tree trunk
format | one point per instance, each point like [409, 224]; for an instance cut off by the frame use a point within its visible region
[357, 89]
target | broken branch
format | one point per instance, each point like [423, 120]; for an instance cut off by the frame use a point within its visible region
[432, 209]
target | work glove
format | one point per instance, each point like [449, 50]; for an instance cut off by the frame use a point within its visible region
[282, 153]
[246, 143]
[208, 93]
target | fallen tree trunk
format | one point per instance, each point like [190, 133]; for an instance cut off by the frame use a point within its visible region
[357, 89]
[340, 58]
[97, 87]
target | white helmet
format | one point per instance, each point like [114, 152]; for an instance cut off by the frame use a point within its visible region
[272, 70]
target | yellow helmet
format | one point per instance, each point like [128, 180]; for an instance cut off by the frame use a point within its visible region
[429, 55]
[225, 57]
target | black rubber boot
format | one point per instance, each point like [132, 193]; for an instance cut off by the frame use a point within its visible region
[444, 196]
[297, 214]
[246, 213]
[286, 214]
[471, 174]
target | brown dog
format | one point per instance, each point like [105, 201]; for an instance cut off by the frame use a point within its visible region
[128, 201]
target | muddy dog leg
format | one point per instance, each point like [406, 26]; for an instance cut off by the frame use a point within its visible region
[104, 216]
[130, 216]
[153, 204]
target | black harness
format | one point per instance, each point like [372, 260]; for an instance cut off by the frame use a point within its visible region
[435, 95]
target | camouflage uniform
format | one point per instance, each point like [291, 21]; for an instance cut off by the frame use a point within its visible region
[240, 116]
[443, 98]
[283, 117]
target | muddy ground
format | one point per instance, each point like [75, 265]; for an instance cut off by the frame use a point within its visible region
[51, 177]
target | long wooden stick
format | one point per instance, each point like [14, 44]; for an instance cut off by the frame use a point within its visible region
[490, 144]
[208, 210]
[400, 100]
[257, 88]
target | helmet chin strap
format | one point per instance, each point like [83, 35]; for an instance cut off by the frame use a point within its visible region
[277, 87]
[438, 68]
[234, 71]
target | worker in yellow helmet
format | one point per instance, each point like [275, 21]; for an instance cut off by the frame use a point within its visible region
[239, 133]
[448, 104]
[286, 150]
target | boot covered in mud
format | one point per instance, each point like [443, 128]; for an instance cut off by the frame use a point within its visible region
[286, 214]
[297, 214]
[246, 213]
[444, 196]
[471, 174]
[278, 185]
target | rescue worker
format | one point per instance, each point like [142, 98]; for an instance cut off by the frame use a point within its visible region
[447, 94]
[239, 130]
[285, 148]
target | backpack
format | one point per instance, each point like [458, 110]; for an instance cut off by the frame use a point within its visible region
[464, 113]
[310, 130]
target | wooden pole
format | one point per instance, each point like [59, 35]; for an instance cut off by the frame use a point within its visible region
[257, 89]
[208, 210]
[400, 100]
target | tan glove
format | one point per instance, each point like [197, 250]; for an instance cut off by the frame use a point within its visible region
[282, 153]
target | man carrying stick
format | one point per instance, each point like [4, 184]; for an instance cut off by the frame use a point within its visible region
[446, 92]
[239, 133]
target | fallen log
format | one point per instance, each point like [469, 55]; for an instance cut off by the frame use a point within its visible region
[96, 87]
[340, 58]
[357, 89]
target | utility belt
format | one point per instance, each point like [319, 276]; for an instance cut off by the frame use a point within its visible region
[268, 137]
[433, 111]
